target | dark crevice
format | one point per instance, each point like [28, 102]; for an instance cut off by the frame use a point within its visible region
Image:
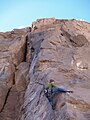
[61, 34]
[5, 100]
[14, 79]
[73, 41]
[25, 52]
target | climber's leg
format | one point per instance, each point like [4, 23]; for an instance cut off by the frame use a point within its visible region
[59, 90]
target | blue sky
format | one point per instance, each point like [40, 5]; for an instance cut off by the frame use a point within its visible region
[21, 13]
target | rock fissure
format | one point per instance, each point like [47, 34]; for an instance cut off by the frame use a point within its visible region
[5, 100]
[25, 52]
[73, 41]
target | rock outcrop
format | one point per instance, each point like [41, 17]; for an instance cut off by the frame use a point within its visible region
[30, 57]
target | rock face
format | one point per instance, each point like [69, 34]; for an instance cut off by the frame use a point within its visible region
[30, 57]
[12, 55]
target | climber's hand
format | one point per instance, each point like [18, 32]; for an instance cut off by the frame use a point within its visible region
[45, 91]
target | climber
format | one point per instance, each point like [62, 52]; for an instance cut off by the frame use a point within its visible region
[52, 88]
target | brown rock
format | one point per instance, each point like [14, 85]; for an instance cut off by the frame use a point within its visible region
[3, 94]
[42, 22]
[63, 56]
[21, 76]
[12, 53]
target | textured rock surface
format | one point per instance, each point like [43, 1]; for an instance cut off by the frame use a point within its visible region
[20, 76]
[12, 53]
[60, 51]
[57, 49]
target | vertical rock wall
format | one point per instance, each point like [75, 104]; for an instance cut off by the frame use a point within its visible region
[13, 72]
[57, 52]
